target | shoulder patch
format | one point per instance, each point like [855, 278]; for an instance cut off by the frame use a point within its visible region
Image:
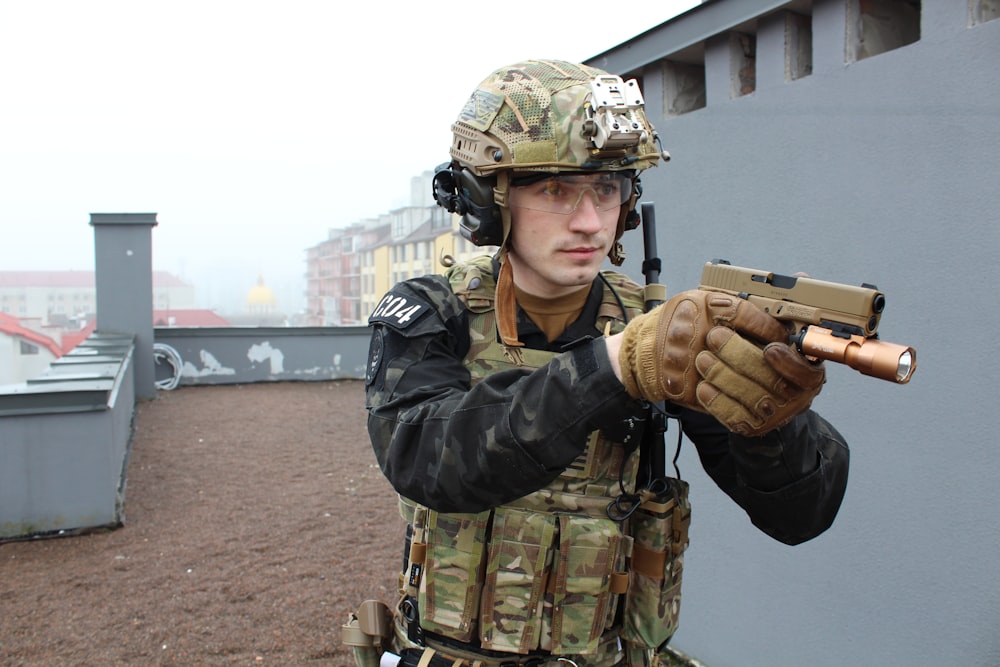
[376, 352]
[399, 311]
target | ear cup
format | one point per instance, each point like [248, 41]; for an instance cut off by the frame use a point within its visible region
[460, 191]
[481, 223]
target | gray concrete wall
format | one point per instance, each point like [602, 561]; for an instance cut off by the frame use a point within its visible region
[235, 355]
[883, 170]
[65, 437]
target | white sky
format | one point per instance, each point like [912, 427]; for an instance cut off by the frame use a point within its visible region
[249, 127]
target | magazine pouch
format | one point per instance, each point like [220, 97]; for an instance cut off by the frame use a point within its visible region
[588, 576]
[451, 583]
[520, 554]
[659, 529]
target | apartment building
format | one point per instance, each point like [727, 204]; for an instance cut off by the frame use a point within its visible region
[62, 297]
[349, 272]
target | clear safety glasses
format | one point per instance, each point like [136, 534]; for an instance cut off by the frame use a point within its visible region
[563, 193]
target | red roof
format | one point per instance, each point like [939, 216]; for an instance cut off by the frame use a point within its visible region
[70, 339]
[11, 326]
[188, 318]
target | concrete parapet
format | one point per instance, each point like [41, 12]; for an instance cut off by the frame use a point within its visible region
[66, 438]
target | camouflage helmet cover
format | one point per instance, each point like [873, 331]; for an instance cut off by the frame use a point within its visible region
[543, 116]
[550, 115]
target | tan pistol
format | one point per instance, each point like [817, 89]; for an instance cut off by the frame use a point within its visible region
[828, 320]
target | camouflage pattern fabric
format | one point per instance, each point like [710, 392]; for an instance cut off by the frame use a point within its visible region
[548, 570]
[659, 528]
[468, 436]
[453, 577]
[538, 112]
[546, 116]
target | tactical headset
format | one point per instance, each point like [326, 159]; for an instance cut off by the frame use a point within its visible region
[460, 191]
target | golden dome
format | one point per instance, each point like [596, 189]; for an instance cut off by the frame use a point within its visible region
[260, 295]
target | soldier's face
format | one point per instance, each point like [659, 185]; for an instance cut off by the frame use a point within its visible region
[554, 254]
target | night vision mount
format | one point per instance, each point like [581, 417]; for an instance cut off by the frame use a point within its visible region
[612, 121]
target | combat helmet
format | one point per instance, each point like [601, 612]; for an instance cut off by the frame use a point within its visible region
[541, 116]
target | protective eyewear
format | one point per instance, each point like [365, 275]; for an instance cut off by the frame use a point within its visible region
[563, 193]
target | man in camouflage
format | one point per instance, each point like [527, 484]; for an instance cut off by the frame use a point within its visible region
[509, 401]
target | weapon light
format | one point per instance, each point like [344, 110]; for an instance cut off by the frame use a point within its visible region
[870, 356]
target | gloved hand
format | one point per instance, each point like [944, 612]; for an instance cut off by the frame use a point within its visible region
[749, 391]
[753, 391]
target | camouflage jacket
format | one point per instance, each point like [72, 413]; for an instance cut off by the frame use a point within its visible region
[455, 446]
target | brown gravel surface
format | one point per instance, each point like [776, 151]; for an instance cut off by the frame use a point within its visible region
[255, 520]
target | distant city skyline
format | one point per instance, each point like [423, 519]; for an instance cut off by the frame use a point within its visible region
[250, 129]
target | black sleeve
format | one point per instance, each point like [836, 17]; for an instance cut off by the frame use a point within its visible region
[790, 481]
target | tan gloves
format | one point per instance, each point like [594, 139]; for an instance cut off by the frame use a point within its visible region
[688, 351]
